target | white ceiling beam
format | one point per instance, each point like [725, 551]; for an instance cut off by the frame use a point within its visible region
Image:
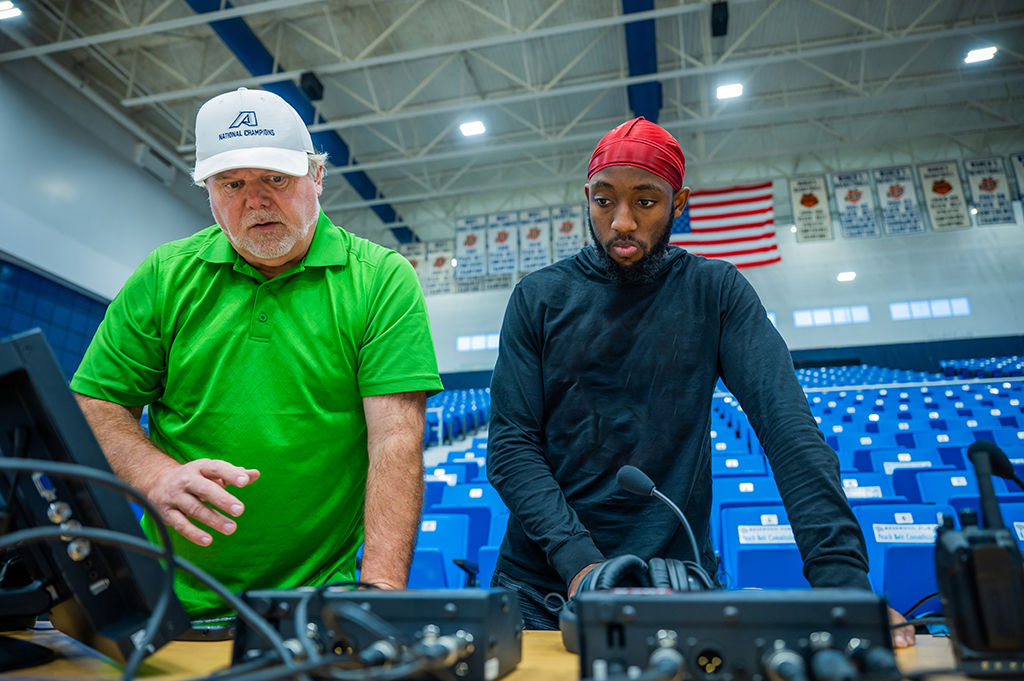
[663, 76]
[759, 115]
[423, 53]
[390, 29]
[136, 31]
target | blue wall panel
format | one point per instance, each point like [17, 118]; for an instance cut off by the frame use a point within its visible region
[68, 318]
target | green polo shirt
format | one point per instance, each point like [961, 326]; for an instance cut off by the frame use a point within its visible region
[267, 374]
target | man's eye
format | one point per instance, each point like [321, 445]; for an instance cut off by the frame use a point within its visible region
[601, 202]
[647, 203]
[277, 179]
[234, 185]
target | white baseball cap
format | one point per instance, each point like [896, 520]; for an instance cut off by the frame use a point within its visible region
[250, 129]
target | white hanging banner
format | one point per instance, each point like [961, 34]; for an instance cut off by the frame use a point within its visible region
[471, 247]
[990, 191]
[901, 212]
[534, 239]
[944, 195]
[1018, 171]
[416, 254]
[503, 243]
[811, 215]
[567, 230]
[855, 204]
[439, 267]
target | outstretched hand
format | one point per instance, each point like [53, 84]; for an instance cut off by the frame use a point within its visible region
[178, 492]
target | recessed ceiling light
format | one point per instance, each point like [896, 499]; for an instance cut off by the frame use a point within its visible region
[793, 229]
[730, 91]
[847, 276]
[984, 54]
[974, 211]
[455, 263]
[8, 10]
[472, 128]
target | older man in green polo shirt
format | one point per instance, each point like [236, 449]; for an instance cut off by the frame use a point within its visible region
[281, 357]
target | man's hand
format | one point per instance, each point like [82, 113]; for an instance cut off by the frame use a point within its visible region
[575, 583]
[904, 636]
[179, 491]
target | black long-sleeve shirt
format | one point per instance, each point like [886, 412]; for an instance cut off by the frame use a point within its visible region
[593, 375]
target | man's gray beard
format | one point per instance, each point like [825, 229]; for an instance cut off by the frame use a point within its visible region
[270, 246]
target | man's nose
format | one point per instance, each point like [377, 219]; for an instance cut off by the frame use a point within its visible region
[623, 221]
[256, 194]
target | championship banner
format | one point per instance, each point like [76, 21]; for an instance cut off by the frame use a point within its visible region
[567, 223]
[990, 191]
[811, 215]
[416, 254]
[471, 247]
[503, 243]
[1018, 171]
[901, 213]
[534, 239]
[439, 267]
[944, 195]
[855, 204]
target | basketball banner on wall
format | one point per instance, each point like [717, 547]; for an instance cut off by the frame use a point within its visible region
[534, 239]
[503, 243]
[471, 247]
[1018, 171]
[416, 254]
[855, 204]
[567, 225]
[439, 267]
[901, 212]
[944, 195]
[811, 215]
[990, 191]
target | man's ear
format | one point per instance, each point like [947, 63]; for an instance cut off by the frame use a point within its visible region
[682, 196]
[586, 191]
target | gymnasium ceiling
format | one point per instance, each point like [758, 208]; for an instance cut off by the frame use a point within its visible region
[828, 85]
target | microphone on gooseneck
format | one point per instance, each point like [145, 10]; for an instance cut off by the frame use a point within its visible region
[983, 455]
[634, 480]
[1001, 466]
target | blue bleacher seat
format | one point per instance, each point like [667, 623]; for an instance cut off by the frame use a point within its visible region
[740, 464]
[1008, 437]
[758, 549]
[907, 525]
[1013, 517]
[499, 523]
[888, 460]
[448, 534]
[740, 491]
[478, 502]
[427, 570]
[460, 470]
[488, 561]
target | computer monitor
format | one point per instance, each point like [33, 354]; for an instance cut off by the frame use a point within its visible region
[99, 595]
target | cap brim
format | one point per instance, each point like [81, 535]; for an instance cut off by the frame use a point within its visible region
[285, 161]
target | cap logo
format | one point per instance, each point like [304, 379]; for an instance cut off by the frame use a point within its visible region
[244, 118]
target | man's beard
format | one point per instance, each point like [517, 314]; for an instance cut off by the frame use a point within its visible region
[643, 271]
[269, 245]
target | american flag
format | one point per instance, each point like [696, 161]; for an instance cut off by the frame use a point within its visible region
[735, 224]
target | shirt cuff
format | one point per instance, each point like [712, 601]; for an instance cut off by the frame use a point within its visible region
[576, 553]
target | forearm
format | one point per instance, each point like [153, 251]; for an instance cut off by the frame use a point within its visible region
[394, 488]
[131, 454]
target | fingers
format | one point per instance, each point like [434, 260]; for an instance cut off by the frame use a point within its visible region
[903, 637]
[177, 520]
[233, 475]
[202, 489]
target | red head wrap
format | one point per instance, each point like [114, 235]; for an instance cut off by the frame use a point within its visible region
[642, 144]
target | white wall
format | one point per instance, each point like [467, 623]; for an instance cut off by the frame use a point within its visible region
[72, 202]
[983, 264]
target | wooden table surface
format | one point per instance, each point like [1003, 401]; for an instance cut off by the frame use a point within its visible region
[544, 659]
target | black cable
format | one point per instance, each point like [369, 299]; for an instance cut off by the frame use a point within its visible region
[918, 621]
[302, 613]
[70, 471]
[921, 602]
[108, 537]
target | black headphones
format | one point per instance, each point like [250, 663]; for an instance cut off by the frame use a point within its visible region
[632, 571]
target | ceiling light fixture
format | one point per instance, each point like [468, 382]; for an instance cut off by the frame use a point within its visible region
[793, 229]
[983, 54]
[8, 10]
[455, 263]
[974, 211]
[846, 276]
[472, 128]
[730, 91]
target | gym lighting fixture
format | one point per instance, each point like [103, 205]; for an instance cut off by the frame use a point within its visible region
[8, 10]
[730, 91]
[455, 263]
[793, 229]
[983, 54]
[472, 128]
[846, 276]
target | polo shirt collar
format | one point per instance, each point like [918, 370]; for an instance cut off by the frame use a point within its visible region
[329, 247]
